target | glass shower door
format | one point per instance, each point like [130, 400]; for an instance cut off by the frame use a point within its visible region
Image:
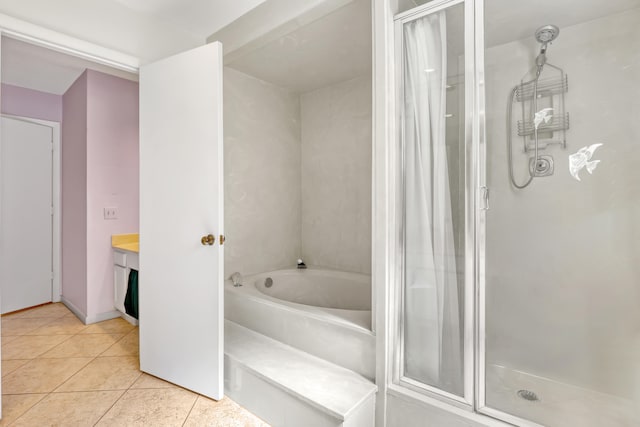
[561, 320]
[433, 103]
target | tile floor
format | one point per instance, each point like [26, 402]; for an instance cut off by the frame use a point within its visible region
[56, 371]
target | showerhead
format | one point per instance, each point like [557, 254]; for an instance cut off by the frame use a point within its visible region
[547, 34]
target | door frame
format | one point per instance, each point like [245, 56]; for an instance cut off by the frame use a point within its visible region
[55, 199]
[399, 383]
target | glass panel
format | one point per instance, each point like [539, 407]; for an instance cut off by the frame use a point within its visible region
[433, 150]
[404, 5]
[563, 251]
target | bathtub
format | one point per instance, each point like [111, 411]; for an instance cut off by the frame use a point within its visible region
[322, 312]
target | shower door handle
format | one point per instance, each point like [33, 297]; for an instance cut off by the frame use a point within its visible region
[485, 198]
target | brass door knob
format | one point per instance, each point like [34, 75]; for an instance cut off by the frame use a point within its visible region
[209, 239]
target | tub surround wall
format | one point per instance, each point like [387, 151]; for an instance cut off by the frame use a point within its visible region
[562, 266]
[336, 176]
[99, 169]
[262, 175]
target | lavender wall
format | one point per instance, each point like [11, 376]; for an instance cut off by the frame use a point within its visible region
[74, 194]
[112, 178]
[99, 169]
[19, 101]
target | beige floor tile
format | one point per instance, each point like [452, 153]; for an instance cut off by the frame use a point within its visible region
[82, 346]
[149, 381]
[69, 409]
[104, 373]
[127, 346]
[21, 325]
[42, 375]
[14, 405]
[61, 326]
[224, 413]
[9, 366]
[50, 310]
[6, 340]
[167, 407]
[113, 326]
[30, 347]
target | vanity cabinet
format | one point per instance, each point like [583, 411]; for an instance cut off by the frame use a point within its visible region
[123, 262]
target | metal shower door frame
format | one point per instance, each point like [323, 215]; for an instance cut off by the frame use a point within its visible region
[399, 382]
[478, 186]
[476, 207]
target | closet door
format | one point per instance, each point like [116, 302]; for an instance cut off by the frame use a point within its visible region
[26, 227]
[181, 203]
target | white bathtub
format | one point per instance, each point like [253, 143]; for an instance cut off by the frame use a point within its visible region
[325, 313]
[318, 288]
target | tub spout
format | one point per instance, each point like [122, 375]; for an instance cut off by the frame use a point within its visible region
[301, 264]
[236, 278]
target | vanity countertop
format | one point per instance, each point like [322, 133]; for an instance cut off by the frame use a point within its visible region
[126, 242]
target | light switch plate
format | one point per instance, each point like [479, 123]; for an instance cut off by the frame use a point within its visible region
[111, 213]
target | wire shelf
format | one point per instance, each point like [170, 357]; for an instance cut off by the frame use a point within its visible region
[546, 87]
[557, 122]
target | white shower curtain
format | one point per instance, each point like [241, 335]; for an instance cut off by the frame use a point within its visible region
[432, 318]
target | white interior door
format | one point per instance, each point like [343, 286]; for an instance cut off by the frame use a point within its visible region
[181, 200]
[26, 163]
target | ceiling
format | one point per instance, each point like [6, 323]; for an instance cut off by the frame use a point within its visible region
[42, 69]
[146, 29]
[508, 20]
[334, 48]
[331, 49]
[200, 17]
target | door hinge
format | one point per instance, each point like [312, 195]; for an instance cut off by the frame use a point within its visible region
[485, 198]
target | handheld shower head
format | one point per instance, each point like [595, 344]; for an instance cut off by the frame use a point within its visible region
[545, 35]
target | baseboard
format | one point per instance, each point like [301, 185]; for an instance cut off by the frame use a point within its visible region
[100, 317]
[87, 320]
[75, 310]
[129, 319]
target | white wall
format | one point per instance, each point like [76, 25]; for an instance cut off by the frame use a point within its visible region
[297, 175]
[336, 176]
[563, 256]
[262, 175]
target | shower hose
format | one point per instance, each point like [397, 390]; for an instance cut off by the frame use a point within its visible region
[535, 133]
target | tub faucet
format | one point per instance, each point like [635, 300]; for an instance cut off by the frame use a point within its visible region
[236, 278]
[301, 264]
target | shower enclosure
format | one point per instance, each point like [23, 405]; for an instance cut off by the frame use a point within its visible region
[518, 287]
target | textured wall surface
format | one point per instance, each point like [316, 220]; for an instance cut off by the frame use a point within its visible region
[336, 176]
[562, 254]
[262, 175]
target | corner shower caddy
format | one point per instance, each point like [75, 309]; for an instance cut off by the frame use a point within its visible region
[550, 95]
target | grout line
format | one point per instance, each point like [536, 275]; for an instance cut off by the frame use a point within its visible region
[191, 410]
[107, 349]
[111, 407]
[44, 396]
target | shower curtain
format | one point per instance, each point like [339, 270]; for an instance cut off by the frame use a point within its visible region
[432, 344]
